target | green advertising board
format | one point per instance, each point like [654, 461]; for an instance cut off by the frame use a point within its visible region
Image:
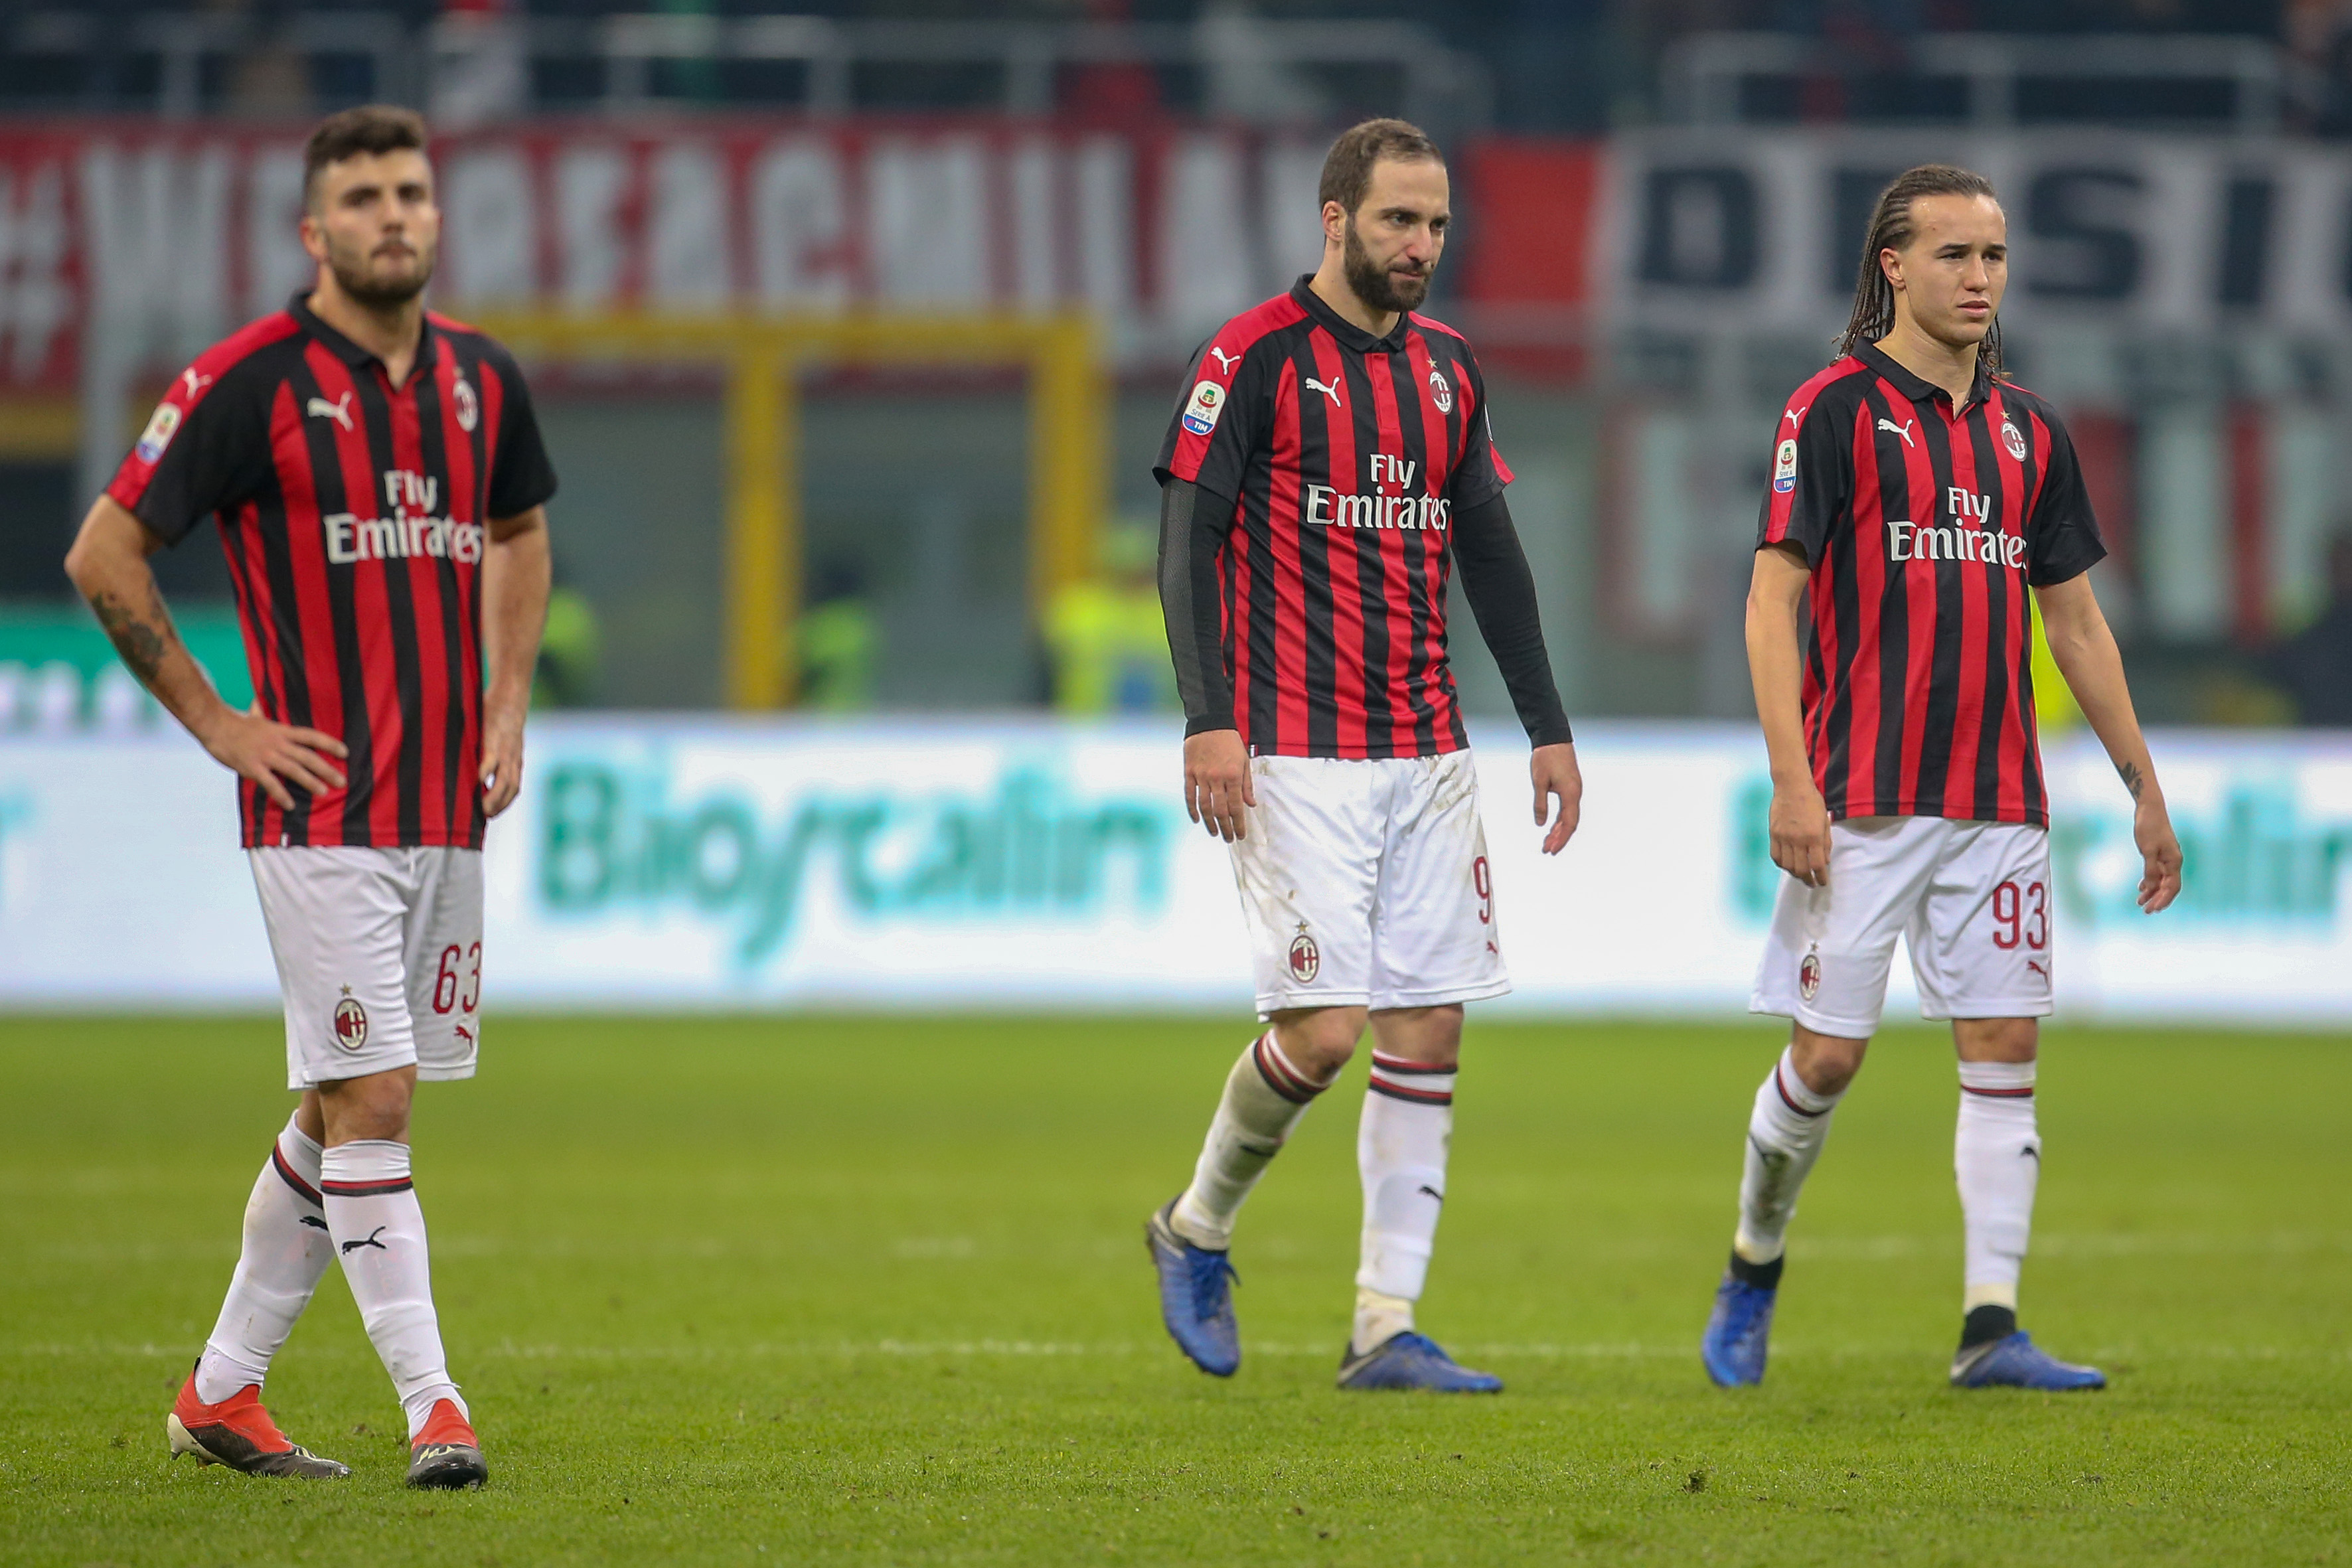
[59, 671]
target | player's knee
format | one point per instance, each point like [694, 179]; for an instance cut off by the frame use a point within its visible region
[1997, 1039]
[1319, 1041]
[375, 1106]
[1826, 1062]
[1431, 1035]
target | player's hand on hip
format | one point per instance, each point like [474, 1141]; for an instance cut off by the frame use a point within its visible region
[2160, 853]
[278, 758]
[1800, 832]
[1217, 783]
[1555, 774]
[501, 765]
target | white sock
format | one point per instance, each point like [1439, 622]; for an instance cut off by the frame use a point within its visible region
[378, 1228]
[1401, 1144]
[1265, 1097]
[1785, 1134]
[1997, 1155]
[285, 1250]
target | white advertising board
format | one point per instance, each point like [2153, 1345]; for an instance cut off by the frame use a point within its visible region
[702, 863]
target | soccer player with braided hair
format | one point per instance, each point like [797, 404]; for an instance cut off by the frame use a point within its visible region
[1921, 506]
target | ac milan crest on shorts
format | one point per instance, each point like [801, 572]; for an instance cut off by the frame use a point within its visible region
[1970, 899]
[379, 956]
[1364, 883]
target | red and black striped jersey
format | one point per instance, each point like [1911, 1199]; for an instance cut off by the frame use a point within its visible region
[1344, 459]
[1924, 526]
[352, 515]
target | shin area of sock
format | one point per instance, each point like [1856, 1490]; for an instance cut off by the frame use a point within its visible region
[284, 1251]
[1997, 1161]
[1264, 1096]
[1787, 1126]
[379, 1230]
[1402, 1143]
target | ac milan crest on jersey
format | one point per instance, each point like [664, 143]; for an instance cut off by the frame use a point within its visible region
[1306, 959]
[355, 517]
[351, 1024]
[1809, 977]
[1345, 458]
[1925, 527]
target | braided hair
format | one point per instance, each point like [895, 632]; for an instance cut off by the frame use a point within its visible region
[1890, 229]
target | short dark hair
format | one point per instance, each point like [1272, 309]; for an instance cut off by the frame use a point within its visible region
[1890, 229]
[1348, 169]
[370, 127]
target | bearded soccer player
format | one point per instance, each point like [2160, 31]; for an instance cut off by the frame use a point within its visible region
[379, 481]
[1328, 465]
[1917, 496]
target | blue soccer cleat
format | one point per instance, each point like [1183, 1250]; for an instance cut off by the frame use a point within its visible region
[2017, 1362]
[1738, 1332]
[1195, 1299]
[1409, 1361]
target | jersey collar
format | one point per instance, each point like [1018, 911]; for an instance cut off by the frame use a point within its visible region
[350, 353]
[1351, 336]
[1916, 389]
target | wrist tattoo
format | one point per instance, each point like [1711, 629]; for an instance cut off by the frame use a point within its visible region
[142, 644]
[2134, 779]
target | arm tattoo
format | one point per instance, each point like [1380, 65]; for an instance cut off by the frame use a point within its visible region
[142, 643]
[2134, 779]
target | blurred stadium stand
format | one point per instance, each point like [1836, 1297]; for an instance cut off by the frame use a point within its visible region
[1659, 201]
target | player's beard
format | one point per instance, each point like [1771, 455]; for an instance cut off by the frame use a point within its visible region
[363, 288]
[1380, 288]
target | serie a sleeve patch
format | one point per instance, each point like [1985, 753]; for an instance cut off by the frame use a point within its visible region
[1203, 409]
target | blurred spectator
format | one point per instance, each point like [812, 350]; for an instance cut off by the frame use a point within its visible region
[480, 70]
[839, 643]
[1109, 643]
[2314, 665]
[565, 676]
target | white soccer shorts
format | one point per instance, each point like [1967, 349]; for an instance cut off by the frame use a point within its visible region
[379, 958]
[1971, 900]
[1365, 883]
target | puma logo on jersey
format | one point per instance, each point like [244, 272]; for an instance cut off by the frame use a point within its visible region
[1327, 390]
[1225, 362]
[1903, 429]
[193, 382]
[340, 410]
[2035, 965]
[1796, 417]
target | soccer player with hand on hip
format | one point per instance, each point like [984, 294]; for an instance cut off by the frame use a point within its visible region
[1916, 497]
[1329, 462]
[379, 481]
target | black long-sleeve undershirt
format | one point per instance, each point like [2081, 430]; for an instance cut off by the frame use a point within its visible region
[1194, 525]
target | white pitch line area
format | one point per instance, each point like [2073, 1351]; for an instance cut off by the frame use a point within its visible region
[1011, 1350]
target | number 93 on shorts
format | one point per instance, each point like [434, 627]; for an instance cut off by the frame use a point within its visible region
[379, 958]
[1365, 883]
[1971, 900]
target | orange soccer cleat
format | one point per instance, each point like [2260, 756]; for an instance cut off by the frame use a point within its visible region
[237, 1432]
[445, 1454]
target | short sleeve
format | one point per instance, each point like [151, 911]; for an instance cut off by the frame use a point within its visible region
[1812, 478]
[2063, 535]
[1481, 474]
[520, 474]
[204, 448]
[1222, 417]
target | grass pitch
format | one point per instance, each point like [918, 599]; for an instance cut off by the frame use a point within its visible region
[874, 1291]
